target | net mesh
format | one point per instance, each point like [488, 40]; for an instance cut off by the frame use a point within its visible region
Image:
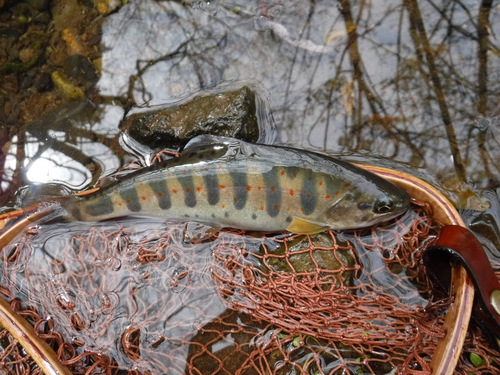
[148, 297]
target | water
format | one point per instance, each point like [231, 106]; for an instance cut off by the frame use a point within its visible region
[153, 295]
[111, 278]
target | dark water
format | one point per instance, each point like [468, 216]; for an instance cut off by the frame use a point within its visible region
[415, 87]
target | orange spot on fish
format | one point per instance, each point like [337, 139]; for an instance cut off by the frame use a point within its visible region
[292, 192]
[128, 200]
[259, 188]
[282, 173]
[213, 202]
[327, 197]
[262, 208]
[160, 194]
[144, 198]
[174, 191]
[276, 207]
[198, 189]
[273, 188]
[308, 195]
[120, 204]
[93, 208]
[295, 175]
[320, 183]
[249, 188]
[302, 209]
[222, 186]
[223, 206]
[337, 192]
[235, 199]
[188, 190]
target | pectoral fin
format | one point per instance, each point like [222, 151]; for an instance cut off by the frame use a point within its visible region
[302, 226]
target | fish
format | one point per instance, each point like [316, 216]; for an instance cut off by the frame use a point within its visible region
[225, 182]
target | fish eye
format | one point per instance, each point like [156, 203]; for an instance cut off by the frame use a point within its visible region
[383, 206]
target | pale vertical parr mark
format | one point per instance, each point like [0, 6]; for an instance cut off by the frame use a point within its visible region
[212, 186]
[129, 195]
[308, 193]
[273, 191]
[240, 184]
[160, 190]
[187, 184]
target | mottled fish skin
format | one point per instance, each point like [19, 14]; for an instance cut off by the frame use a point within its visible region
[225, 182]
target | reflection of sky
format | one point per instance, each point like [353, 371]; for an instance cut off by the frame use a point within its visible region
[9, 164]
[142, 32]
[45, 163]
[51, 166]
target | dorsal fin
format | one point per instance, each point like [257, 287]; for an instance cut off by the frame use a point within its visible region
[213, 147]
[208, 139]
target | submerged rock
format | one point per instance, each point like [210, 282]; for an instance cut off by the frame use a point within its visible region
[231, 114]
[68, 90]
[79, 68]
[299, 259]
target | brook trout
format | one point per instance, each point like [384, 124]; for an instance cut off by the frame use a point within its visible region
[225, 182]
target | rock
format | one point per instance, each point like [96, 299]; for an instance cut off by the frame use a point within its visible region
[79, 67]
[69, 90]
[231, 114]
[42, 82]
[341, 259]
[27, 54]
[105, 7]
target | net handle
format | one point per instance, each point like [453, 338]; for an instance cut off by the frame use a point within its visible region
[445, 359]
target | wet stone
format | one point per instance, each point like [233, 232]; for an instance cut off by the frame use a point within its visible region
[79, 67]
[42, 82]
[231, 114]
[298, 261]
[27, 54]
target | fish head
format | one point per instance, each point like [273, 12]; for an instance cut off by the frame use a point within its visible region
[366, 205]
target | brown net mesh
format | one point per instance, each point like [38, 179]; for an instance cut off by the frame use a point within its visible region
[148, 297]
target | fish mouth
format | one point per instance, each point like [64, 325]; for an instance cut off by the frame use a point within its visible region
[403, 204]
